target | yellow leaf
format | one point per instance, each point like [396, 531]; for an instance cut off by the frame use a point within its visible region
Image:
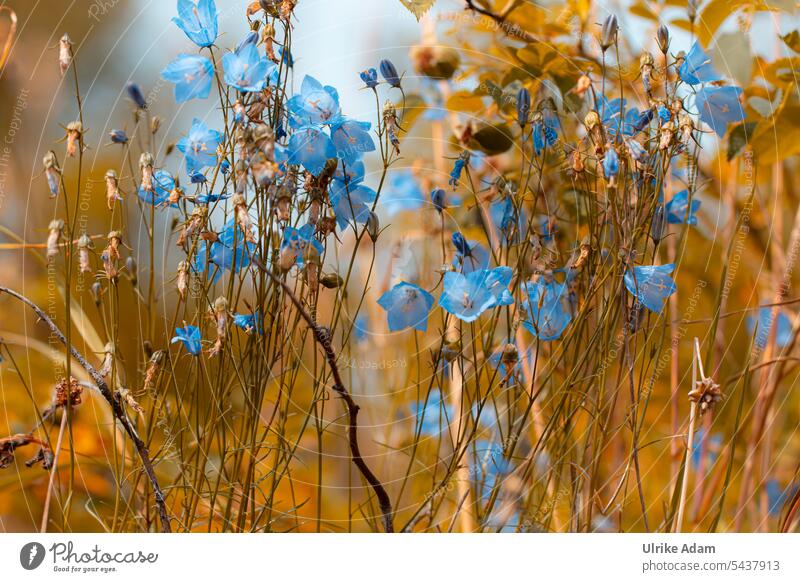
[465, 102]
[7, 34]
[713, 16]
[418, 7]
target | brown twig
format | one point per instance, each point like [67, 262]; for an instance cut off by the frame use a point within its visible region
[323, 338]
[513, 30]
[114, 402]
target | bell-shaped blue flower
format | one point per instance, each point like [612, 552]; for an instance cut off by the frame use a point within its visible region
[611, 163]
[763, 324]
[198, 21]
[230, 251]
[432, 416]
[470, 255]
[678, 211]
[200, 147]
[370, 77]
[192, 76]
[468, 296]
[697, 67]
[651, 285]
[511, 222]
[246, 69]
[352, 140]
[545, 303]
[249, 322]
[351, 203]
[163, 183]
[617, 117]
[315, 105]
[189, 336]
[407, 305]
[719, 106]
[311, 148]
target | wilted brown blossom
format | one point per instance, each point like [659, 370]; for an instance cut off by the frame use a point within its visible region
[64, 53]
[112, 189]
[74, 138]
[54, 237]
[84, 245]
[219, 314]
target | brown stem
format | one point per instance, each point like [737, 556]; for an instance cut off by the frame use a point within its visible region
[323, 338]
[116, 406]
[509, 29]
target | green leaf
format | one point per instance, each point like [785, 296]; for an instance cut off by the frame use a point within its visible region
[739, 137]
[418, 7]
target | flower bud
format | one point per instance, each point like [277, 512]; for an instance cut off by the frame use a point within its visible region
[389, 73]
[662, 37]
[438, 199]
[118, 136]
[523, 106]
[373, 226]
[136, 95]
[64, 53]
[608, 35]
[331, 281]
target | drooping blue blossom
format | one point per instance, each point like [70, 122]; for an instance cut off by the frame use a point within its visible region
[249, 322]
[230, 251]
[545, 132]
[402, 193]
[432, 416]
[198, 178]
[764, 320]
[136, 95]
[407, 305]
[285, 56]
[523, 106]
[192, 76]
[312, 148]
[611, 114]
[470, 255]
[651, 285]
[468, 296]
[225, 167]
[210, 197]
[163, 183]
[246, 69]
[389, 72]
[719, 106]
[611, 163]
[352, 140]
[315, 104]
[350, 174]
[189, 336]
[438, 199]
[458, 168]
[697, 67]
[200, 146]
[299, 242]
[118, 136]
[351, 202]
[678, 207]
[511, 222]
[198, 21]
[370, 77]
[545, 303]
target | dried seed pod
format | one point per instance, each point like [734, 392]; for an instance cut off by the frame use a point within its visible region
[64, 53]
[155, 124]
[74, 138]
[182, 282]
[196, 222]
[243, 217]
[662, 38]
[153, 367]
[146, 167]
[108, 360]
[84, 244]
[646, 69]
[112, 189]
[240, 173]
[391, 125]
[219, 313]
[706, 394]
[54, 237]
[67, 392]
[110, 255]
[53, 173]
[373, 226]
[608, 34]
[283, 203]
[332, 281]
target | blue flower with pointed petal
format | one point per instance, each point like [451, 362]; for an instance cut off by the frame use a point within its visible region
[611, 113]
[352, 140]
[678, 211]
[246, 69]
[719, 106]
[611, 163]
[230, 251]
[507, 219]
[370, 78]
[651, 285]
[249, 322]
[315, 105]
[470, 255]
[468, 296]
[697, 67]
[189, 336]
[311, 148]
[783, 333]
[458, 169]
[200, 147]
[350, 203]
[350, 174]
[192, 76]
[407, 305]
[163, 183]
[403, 193]
[300, 242]
[545, 303]
[432, 416]
[198, 21]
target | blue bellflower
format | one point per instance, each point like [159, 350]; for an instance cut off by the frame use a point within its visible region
[200, 147]
[163, 183]
[192, 76]
[312, 148]
[389, 72]
[470, 255]
[189, 336]
[315, 105]
[198, 21]
[651, 285]
[246, 69]
[697, 67]
[370, 78]
[300, 242]
[249, 322]
[783, 333]
[407, 305]
[230, 251]
[548, 316]
[719, 106]
[351, 202]
[678, 211]
[403, 193]
[352, 140]
[468, 296]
